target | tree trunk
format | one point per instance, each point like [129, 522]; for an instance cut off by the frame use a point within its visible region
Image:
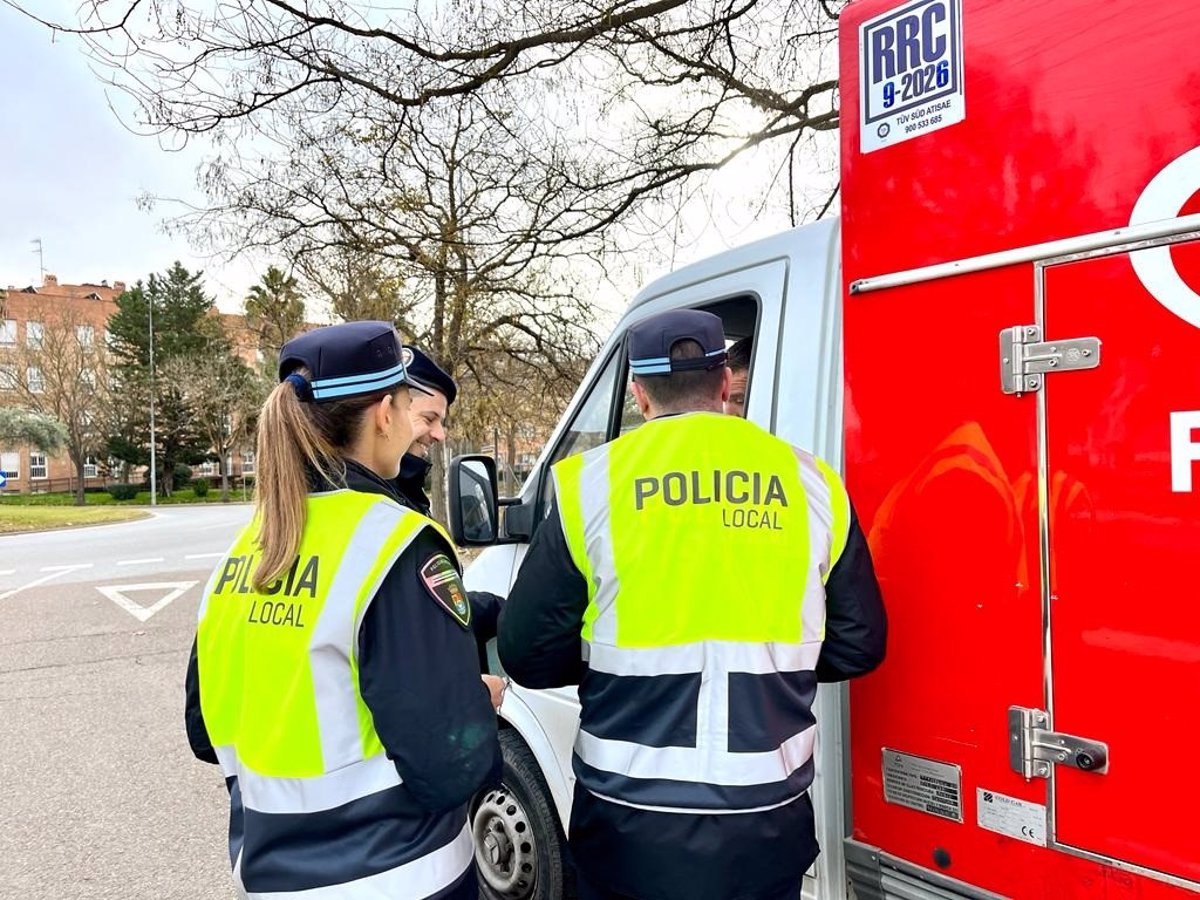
[439, 508]
[224, 479]
[80, 494]
[510, 453]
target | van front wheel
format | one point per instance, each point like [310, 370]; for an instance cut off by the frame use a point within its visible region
[519, 845]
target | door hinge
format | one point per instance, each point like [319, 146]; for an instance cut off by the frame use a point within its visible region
[1033, 748]
[1025, 359]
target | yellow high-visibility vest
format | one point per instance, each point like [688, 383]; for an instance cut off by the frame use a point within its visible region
[705, 542]
[280, 696]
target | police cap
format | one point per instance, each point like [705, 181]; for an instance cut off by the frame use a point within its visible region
[651, 340]
[425, 372]
[347, 360]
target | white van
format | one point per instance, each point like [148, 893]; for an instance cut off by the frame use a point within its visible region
[783, 290]
[1013, 292]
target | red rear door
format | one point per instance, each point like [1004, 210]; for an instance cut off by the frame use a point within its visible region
[1123, 498]
[1068, 118]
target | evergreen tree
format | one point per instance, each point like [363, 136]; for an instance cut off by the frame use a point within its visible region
[274, 312]
[185, 326]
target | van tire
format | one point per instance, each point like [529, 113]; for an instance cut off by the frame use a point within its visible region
[520, 848]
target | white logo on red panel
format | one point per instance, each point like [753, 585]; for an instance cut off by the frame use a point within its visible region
[1162, 199]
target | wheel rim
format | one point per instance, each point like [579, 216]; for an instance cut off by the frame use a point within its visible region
[505, 849]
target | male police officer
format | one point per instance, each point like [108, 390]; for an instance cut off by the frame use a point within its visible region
[715, 575]
[428, 415]
[739, 368]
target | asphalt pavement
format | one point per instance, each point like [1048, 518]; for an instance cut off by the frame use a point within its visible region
[100, 796]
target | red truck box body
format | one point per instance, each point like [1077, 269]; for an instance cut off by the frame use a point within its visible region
[1038, 549]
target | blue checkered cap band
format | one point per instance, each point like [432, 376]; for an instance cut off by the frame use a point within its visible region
[651, 340]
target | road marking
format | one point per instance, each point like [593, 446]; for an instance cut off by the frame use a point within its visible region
[139, 562]
[204, 555]
[39, 581]
[118, 594]
[66, 568]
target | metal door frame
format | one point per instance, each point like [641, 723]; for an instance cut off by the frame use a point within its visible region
[1043, 465]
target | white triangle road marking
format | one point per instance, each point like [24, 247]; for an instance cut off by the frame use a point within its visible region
[118, 594]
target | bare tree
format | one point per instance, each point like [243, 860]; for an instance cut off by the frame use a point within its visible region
[649, 92]
[509, 406]
[355, 284]
[223, 395]
[62, 371]
[478, 152]
[434, 222]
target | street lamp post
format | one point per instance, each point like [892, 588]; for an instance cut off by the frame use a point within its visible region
[153, 440]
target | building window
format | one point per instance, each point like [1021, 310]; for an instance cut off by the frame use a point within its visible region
[209, 467]
[33, 377]
[247, 462]
[85, 334]
[34, 332]
[8, 378]
[10, 464]
[90, 467]
[37, 465]
[8, 331]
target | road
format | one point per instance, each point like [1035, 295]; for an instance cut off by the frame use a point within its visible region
[99, 794]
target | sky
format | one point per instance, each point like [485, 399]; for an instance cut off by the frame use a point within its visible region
[71, 174]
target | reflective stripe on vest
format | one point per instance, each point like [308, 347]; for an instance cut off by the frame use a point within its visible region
[424, 877]
[705, 542]
[280, 695]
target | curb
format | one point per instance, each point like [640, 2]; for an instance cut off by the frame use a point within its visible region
[74, 527]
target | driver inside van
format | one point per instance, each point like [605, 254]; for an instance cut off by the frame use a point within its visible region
[740, 354]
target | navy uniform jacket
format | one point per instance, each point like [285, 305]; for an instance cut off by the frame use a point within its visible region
[485, 607]
[420, 717]
[410, 483]
[665, 856]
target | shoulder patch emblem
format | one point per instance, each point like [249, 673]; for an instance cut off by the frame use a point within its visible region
[441, 579]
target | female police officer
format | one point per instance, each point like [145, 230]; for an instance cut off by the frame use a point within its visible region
[334, 676]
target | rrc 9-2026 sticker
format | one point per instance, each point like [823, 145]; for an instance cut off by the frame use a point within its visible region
[911, 72]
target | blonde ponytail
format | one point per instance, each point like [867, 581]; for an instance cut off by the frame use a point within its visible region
[290, 446]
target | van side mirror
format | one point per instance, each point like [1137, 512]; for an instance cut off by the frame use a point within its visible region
[474, 508]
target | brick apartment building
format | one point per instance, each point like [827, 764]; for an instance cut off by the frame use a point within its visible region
[24, 313]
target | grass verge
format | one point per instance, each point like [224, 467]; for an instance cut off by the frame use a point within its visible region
[103, 498]
[16, 519]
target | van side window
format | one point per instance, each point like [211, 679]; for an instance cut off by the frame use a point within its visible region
[590, 426]
[631, 416]
[610, 409]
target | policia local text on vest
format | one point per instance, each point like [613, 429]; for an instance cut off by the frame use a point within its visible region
[711, 574]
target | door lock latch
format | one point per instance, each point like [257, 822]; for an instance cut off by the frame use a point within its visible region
[1026, 360]
[1033, 748]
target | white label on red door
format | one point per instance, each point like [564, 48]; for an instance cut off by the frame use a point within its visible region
[928, 785]
[1016, 818]
[1185, 449]
[911, 72]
